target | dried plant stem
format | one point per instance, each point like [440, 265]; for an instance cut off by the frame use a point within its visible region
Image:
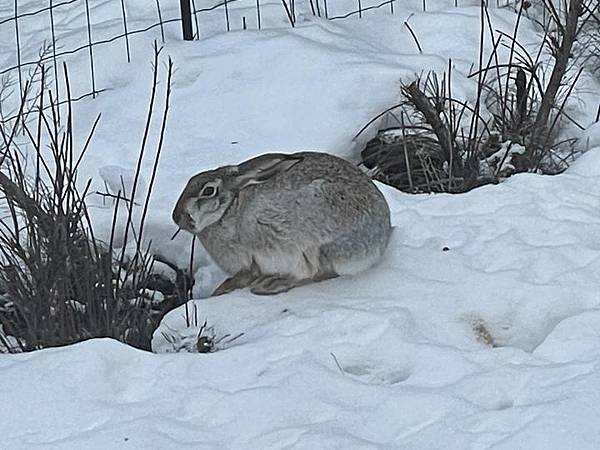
[569, 34]
[439, 128]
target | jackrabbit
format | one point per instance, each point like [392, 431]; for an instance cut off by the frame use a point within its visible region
[278, 221]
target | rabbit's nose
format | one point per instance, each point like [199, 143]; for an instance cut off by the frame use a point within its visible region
[176, 216]
[181, 218]
[185, 221]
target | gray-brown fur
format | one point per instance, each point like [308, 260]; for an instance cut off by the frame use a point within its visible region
[278, 221]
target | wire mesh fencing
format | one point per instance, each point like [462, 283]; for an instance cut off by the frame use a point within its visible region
[47, 33]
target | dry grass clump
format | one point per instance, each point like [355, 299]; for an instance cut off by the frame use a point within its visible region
[60, 284]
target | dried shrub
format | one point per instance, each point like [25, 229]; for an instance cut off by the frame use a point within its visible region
[60, 283]
[443, 144]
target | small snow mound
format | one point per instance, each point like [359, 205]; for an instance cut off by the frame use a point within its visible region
[576, 338]
[591, 136]
[588, 164]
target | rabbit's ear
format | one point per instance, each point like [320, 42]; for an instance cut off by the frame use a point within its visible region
[263, 168]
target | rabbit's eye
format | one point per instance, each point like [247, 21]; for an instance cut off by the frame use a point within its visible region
[208, 191]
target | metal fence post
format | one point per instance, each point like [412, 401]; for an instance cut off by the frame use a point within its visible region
[186, 20]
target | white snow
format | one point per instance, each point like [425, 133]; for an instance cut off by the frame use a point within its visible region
[501, 160]
[478, 329]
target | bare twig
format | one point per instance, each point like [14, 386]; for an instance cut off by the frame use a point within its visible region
[562, 58]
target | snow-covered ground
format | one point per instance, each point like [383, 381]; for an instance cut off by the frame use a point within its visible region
[480, 327]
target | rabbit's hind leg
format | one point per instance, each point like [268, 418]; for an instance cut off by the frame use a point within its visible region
[240, 280]
[274, 284]
[277, 283]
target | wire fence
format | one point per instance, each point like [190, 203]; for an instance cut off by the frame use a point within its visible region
[182, 17]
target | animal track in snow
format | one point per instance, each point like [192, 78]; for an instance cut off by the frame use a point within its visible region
[371, 374]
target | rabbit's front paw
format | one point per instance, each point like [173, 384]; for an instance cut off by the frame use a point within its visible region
[240, 280]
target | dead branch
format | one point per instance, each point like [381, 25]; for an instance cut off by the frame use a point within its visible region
[569, 34]
[418, 98]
